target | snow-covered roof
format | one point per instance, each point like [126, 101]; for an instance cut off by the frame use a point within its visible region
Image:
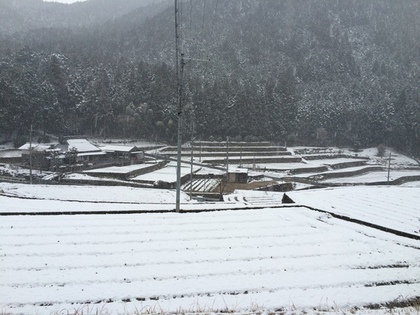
[238, 170]
[82, 146]
[35, 146]
[118, 148]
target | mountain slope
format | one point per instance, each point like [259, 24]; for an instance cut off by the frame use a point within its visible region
[324, 72]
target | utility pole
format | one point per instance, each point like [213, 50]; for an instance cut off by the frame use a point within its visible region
[179, 67]
[227, 158]
[192, 161]
[389, 166]
[201, 148]
[192, 153]
[240, 158]
[30, 156]
[180, 62]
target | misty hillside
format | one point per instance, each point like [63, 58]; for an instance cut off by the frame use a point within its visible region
[26, 15]
[321, 72]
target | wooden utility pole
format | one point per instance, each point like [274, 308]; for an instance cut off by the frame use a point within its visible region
[227, 158]
[191, 166]
[389, 166]
[180, 62]
[30, 156]
[179, 67]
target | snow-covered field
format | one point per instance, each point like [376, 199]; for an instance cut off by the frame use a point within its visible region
[378, 176]
[303, 164]
[392, 207]
[292, 259]
[119, 169]
[167, 174]
[122, 250]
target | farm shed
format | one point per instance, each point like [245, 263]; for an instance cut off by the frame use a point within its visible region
[238, 176]
[10, 156]
[132, 154]
[38, 152]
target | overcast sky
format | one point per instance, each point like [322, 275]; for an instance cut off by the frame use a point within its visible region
[63, 1]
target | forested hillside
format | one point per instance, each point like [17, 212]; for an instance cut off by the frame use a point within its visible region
[319, 72]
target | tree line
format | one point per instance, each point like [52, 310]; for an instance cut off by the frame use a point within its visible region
[329, 73]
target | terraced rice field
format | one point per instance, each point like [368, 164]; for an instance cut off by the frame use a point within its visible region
[392, 207]
[273, 259]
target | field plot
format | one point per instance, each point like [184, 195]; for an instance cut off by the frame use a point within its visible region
[391, 207]
[167, 174]
[61, 198]
[234, 260]
[380, 176]
[119, 169]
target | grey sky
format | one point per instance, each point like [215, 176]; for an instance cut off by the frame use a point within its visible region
[63, 1]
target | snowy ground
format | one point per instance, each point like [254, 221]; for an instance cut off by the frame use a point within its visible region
[293, 259]
[303, 164]
[415, 184]
[256, 256]
[47, 198]
[392, 207]
[119, 169]
[378, 176]
[166, 174]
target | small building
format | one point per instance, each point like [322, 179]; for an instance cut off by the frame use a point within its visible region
[54, 156]
[125, 154]
[238, 176]
[86, 151]
[10, 156]
[36, 152]
[34, 146]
